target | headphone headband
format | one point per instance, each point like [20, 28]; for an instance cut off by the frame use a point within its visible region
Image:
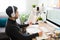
[13, 14]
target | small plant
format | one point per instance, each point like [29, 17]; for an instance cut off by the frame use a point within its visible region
[33, 6]
[39, 18]
[23, 18]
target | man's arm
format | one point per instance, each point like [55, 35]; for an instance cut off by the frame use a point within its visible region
[19, 35]
[28, 36]
[23, 25]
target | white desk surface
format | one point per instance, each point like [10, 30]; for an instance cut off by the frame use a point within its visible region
[35, 29]
[38, 28]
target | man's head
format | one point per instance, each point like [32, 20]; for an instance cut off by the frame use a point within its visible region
[12, 12]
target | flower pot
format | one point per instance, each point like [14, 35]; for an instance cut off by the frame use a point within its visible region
[40, 21]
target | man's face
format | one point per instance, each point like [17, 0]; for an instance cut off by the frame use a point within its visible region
[16, 15]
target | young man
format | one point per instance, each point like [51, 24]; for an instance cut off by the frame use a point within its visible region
[13, 30]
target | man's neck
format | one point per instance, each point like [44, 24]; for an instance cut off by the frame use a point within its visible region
[12, 18]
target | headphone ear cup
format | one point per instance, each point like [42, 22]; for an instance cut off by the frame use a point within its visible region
[13, 15]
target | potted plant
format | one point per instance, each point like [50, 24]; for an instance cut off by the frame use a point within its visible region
[39, 19]
[23, 18]
[33, 6]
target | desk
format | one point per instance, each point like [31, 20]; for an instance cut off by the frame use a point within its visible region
[42, 27]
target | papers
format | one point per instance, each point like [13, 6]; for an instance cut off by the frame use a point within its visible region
[33, 29]
[44, 29]
[34, 26]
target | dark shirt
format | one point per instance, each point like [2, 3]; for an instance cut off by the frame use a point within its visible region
[13, 30]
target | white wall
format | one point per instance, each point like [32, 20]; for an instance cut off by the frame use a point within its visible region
[30, 3]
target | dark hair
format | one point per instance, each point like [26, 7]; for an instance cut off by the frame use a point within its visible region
[37, 8]
[9, 10]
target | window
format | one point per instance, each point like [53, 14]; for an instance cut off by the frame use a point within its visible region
[21, 4]
[53, 11]
[54, 16]
[48, 3]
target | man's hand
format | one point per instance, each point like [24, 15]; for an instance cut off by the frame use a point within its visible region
[30, 23]
[40, 33]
